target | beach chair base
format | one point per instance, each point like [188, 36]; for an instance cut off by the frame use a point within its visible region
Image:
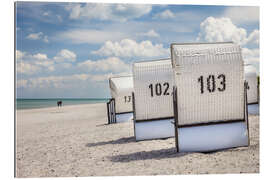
[124, 117]
[152, 128]
[157, 129]
[211, 136]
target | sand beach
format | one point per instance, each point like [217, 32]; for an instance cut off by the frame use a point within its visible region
[75, 140]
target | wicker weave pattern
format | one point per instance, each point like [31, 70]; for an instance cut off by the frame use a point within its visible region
[192, 62]
[145, 74]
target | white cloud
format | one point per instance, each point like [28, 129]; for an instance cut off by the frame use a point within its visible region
[21, 83]
[64, 81]
[24, 56]
[50, 81]
[47, 63]
[167, 14]
[40, 56]
[115, 12]
[65, 55]
[27, 68]
[66, 65]
[19, 54]
[100, 77]
[46, 13]
[222, 29]
[130, 48]
[105, 77]
[241, 15]
[250, 53]
[254, 37]
[38, 36]
[45, 39]
[35, 36]
[90, 36]
[252, 56]
[36, 63]
[31, 64]
[74, 10]
[150, 33]
[112, 64]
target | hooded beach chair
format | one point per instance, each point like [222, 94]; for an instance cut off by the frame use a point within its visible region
[152, 99]
[210, 107]
[119, 107]
[252, 89]
[252, 80]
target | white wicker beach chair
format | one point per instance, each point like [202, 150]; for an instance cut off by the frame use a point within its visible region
[152, 99]
[252, 89]
[209, 97]
[251, 78]
[119, 108]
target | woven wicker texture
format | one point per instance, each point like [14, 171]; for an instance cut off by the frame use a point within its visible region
[153, 84]
[251, 78]
[210, 82]
[121, 90]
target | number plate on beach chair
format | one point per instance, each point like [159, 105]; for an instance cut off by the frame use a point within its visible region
[210, 93]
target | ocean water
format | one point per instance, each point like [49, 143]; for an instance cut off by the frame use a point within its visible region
[43, 103]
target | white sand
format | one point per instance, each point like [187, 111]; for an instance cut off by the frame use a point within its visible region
[75, 141]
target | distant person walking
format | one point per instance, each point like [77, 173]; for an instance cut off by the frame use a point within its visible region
[59, 103]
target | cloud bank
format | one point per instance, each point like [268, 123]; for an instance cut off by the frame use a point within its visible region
[111, 12]
[222, 29]
[130, 48]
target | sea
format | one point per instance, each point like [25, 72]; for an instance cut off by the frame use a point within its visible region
[43, 103]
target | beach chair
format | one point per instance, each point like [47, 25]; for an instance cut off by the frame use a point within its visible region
[210, 99]
[252, 89]
[152, 99]
[119, 107]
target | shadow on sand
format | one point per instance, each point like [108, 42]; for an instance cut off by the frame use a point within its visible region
[165, 153]
[118, 141]
[102, 125]
[143, 155]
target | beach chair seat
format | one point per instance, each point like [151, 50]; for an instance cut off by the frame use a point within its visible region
[210, 108]
[119, 107]
[152, 99]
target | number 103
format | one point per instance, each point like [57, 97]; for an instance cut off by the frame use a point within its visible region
[211, 83]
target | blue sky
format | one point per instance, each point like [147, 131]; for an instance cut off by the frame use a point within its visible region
[70, 49]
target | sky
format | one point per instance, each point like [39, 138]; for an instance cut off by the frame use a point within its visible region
[69, 50]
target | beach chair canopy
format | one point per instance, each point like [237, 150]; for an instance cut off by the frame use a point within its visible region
[210, 82]
[121, 88]
[251, 78]
[153, 84]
